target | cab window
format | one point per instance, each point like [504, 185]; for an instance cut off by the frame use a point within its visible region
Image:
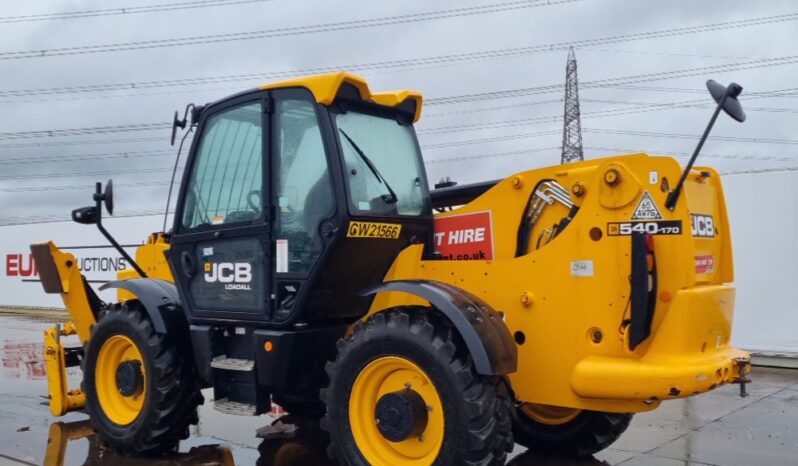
[226, 179]
[304, 190]
[383, 167]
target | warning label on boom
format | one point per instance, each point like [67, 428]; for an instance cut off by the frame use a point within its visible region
[646, 209]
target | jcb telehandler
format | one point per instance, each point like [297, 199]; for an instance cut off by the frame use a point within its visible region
[305, 266]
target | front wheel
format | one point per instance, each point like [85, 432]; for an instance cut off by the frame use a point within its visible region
[559, 431]
[141, 391]
[403, 390]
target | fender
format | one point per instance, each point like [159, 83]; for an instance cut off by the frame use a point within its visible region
[159, 298]
[482, 328]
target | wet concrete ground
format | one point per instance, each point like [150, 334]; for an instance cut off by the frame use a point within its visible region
[717, 428]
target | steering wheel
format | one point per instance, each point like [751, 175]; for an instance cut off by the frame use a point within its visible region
[256, 204]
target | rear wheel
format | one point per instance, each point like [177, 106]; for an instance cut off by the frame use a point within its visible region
[403, 390]
[141, 390]
[560, 431]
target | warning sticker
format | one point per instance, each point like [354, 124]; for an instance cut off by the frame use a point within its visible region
[705, 264]
[646, 209]
[465, 237]
[281, 256]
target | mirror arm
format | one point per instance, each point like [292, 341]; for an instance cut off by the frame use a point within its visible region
[673, 196]
[98, 198]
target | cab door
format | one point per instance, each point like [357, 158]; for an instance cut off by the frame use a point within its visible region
[304, 198]
[221, 247]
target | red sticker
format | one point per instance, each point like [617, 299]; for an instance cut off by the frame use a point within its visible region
[704, 264]
[464, 237]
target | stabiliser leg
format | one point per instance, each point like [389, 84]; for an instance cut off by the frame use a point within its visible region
[57, 359]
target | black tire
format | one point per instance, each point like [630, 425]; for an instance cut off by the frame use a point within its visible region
[476, 408]
[300, 404]
[586, 434]
[171, 395]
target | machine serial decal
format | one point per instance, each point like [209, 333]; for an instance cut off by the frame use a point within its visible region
[703, 226]
[646, 209]
[659, 227]
[373, 230]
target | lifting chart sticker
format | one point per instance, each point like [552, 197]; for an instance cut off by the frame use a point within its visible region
[465, 237]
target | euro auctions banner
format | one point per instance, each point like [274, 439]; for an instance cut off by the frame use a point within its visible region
[98, 260]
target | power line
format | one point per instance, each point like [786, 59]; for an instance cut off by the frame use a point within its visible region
[490, 109]
[791, 92]
[14, 221]
[760, 170]
[76, 187]
[511, 137]
[758, 158]
[687, 104]
[457, 99]
[672, 54]
[84, 131]
[637, 107]
[420, 62]
[124, 10]
[286, 31]
[615, 82]
[89, 174]
[485, 156]
[80, 157]
[691, 136]
[80, 143]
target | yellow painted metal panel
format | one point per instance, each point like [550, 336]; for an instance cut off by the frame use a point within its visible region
[559, 295]
[324, 88]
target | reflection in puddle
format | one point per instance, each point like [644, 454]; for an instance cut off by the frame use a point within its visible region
[289, 441]
[23, 360]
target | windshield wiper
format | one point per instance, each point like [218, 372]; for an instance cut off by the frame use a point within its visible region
[387, 198]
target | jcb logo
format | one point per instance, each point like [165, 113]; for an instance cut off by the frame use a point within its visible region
[235, 275]
[703, 226]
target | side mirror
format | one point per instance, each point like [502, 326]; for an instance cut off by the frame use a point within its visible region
[108, 197]
[731, 105]
[85, 215]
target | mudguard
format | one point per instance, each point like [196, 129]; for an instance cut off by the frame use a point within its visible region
[159, 298]
[482, 328]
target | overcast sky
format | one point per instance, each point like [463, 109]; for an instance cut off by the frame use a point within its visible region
[483, 138]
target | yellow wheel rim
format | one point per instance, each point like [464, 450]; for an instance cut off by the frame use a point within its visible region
[385, 375]
[120, 409]
[550, 415]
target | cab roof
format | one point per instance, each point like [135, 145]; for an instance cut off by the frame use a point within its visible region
[325, 88]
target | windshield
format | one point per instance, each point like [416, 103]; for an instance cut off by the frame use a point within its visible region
[395, 183]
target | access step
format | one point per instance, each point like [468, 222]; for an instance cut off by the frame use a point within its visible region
[233, 407]
[232, 364]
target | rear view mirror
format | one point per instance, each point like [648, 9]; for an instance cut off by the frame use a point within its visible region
[108, 197]
[731, 105]
[85, 215]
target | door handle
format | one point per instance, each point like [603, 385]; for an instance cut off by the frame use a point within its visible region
[189, 267]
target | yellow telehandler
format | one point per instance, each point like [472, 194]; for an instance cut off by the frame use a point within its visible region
[310, 265]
